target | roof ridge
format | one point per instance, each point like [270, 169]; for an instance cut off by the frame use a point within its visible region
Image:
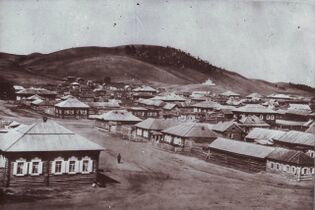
[193, 125]
[31, 126]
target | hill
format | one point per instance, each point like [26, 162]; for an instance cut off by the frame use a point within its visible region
[159, 66]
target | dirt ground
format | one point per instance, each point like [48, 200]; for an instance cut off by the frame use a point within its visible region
[150, 178]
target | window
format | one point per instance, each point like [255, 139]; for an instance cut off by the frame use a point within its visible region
[293, 169]
[261, 116]
[35, 168]
[58, 165]
[278, 166]
[271, 165]
[20, 168]
[304, 171]
[268, 117]
[71, 166]
[272, 117]
[288, 168]
[85, 166]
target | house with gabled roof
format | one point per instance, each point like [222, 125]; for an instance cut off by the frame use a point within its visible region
[264, 113]
[263, 136]
[291, 164]
[228, 129]
[252, 121]
[188, 136]
[42, 92]
[151, 128]
[116, 121]
[71, 108]
[46, 154]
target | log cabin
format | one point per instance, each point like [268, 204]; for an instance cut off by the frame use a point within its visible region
[291, 164]
[242, 155]
[46, 154]
[144, 129]
[297, 140]
[264, 113]
[188, 137]
[229, 129]
[72, 108]
[116, 121]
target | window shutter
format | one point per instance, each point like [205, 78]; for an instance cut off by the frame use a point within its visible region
[77, 166]
[53, 167]
[14, 168]
[64, 167]
[80, 165]
[90, 166]
[40, 167]
[30, 167]
[25, 167]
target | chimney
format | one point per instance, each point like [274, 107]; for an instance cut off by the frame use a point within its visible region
[45, 119]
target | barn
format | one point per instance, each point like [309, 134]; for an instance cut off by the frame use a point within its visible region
[46, 154]
[239, 154]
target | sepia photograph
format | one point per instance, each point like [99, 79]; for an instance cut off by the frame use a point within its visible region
[157, 104]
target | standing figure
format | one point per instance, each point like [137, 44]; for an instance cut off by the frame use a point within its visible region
[118, 158]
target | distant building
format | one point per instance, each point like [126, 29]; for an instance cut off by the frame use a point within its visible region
[28, 92]
[46, 154]
[71, 108]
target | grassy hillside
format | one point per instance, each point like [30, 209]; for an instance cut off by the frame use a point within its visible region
[161, 66]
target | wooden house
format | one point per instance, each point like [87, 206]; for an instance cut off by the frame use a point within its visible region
[291, 164]
[249, 122]
[229, 95]
[71, 108]
[145, 113]
[206, 106]
[297, 140]
[171, 98]
[145, 128]
[263, 136]
[188, 137]
[117, 121]
[239, 154]
[229, 129]
[254, 96]
[264, 113]
[46, 154]
[145, 89]
[97, 108]
[41, 105]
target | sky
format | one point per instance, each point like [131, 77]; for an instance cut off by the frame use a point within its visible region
[270, 40]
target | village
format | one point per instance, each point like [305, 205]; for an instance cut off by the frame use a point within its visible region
[66, 134]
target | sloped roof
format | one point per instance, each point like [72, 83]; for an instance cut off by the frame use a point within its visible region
[311, 129]
[103, 104]
[191, 130]
[290, 122]
[169, 97]
[45, 136]
[34, 97]
[291, 157]
[252, 120]
[157, 124]
[297, 137]
[254, 108]
[150, 102]
[119, 115]
[72, 103]
[67, 96]
[305, 107]
[37, 101]
[223, 126]
[279, 96]
[169, 106]
[254, 95]
[300, 112]
[229, 93]
[207, 104]
[240, 147]
[264, 134]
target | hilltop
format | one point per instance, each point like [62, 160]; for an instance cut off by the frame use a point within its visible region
[155, 65]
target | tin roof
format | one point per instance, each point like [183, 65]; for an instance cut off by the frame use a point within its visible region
[290, 122]
[264, 134]
[191, 130]
[240, 147]
[254, 108]
[223, 126]
[297, 137]
[157, 124]
[119, 115]
[72, 103]
[207, 104]
[291, 157]
[45, 136]
[150, 102]
[169, 106]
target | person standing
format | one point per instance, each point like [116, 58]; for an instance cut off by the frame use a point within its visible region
[118, 158]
